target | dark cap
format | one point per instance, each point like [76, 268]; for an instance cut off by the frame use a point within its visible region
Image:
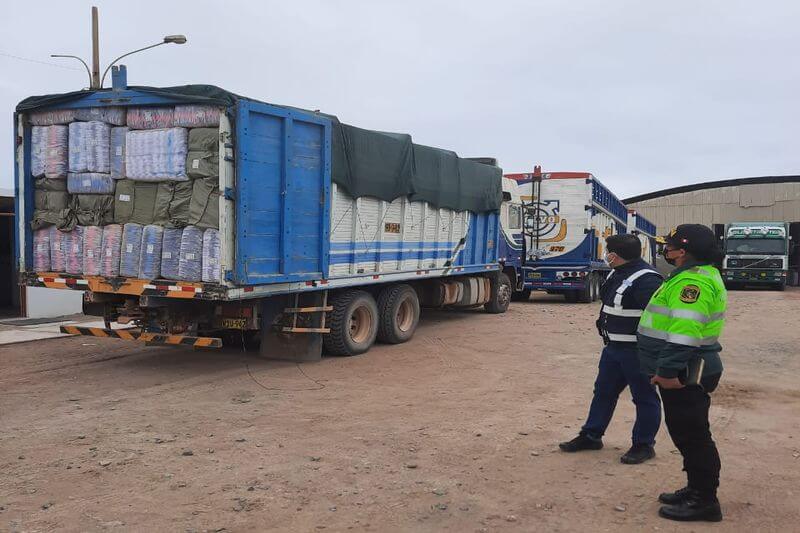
[696, 239]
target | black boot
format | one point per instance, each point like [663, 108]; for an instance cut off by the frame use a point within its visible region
[693, 508]
[581, 442]
[638, 454]
[674, 498]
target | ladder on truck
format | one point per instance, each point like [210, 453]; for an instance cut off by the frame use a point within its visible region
[298, 310]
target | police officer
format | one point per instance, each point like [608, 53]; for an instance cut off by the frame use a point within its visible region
[678, 345]
[625, 294]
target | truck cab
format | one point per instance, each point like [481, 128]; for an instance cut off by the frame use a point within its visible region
[756, 253]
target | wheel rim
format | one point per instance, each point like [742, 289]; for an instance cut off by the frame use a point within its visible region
[504, 294]
[405, 315]
[360, 324]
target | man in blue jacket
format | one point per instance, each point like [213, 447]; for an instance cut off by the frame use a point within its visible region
[625, 294]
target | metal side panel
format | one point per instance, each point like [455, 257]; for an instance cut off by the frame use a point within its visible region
[283, 189]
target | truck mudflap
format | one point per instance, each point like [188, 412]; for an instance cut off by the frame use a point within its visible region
[149, 338]
[128, 286]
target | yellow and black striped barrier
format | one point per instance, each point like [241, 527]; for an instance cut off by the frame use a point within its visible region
[150, 338]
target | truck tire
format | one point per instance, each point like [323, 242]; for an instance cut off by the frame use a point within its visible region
[398, 314]
[585, 294]
[521, 296]
[780, 287]
[353, 324]
[501, 294]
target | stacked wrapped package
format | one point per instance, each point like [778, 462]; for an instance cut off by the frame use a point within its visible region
[112, 246]
[118, 152]
[190, 262]
[150, 118]
[38, 150]
[73, 244]
[58, 250]
[111, 115]
[131, 250]
[41, 250]
[156, 155]
[92, 250]
[93, 209]
[56, 157]
[170, 254]
[202, 159]
[89, 147]
[90, 183]
[211, 263]
[150, 262]
[48, 118]
[50, 200]
[196, 116]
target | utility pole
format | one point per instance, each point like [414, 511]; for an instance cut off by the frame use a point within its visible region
[95, 50]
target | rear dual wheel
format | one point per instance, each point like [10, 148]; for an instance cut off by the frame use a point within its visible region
[357, 320]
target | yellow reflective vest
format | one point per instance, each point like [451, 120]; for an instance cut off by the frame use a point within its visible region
[683, 319]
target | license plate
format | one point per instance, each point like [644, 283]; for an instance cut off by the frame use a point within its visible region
[535, 275]
[234, 323]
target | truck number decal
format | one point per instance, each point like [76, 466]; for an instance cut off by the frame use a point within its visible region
[391, 227]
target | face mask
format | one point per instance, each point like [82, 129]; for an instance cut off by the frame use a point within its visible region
[669, 260]
[606, 259]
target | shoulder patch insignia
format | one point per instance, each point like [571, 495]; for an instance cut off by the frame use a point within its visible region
[690, 294]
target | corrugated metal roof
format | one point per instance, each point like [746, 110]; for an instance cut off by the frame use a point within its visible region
[735, 182]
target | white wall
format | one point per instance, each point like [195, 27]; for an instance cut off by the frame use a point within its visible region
[47, 303]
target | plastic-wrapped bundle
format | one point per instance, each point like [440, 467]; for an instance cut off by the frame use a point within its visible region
[196, 116]
[211, 265]
[48, 118]
[118, 152]
[73, 244]
[172, 203]
[112, 115]
[98, 157]
[77, 147]
[92, 250]
[55, 162]
[131, 250]
[170, 252]
[89, 147]
[51, 203]
[190, 262]
[58, 250]
[93, 209]
[41, 250]
[156, 155]
[38, 150]
[150, 261]
[89, 183]
[112, 246]
[150, 118]
[204, 205]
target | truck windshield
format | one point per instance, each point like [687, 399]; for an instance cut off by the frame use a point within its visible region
[756, 246]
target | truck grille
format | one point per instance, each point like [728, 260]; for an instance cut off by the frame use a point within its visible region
[761, 263]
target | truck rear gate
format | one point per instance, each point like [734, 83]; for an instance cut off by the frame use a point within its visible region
[286, 227]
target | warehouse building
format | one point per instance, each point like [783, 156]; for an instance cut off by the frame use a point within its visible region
[716, 203]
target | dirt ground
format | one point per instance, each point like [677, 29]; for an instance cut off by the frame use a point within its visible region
[454, 431]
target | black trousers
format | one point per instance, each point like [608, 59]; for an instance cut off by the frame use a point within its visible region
[686, 416]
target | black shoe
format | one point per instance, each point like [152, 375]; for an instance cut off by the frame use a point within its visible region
[581, 442]
[675, 498]
[638, 454]
[693, 509]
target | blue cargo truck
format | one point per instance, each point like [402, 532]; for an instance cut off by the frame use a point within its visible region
[329, 235]
[554, 227]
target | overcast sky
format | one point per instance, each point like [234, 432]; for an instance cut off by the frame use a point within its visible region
[645, 95]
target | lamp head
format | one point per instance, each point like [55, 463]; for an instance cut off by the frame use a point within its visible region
[176, 39]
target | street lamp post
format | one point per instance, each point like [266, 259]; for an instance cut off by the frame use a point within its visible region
[169, 39]
[95, 81]
[89, 72]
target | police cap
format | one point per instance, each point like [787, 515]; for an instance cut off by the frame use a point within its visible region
[697, 239]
